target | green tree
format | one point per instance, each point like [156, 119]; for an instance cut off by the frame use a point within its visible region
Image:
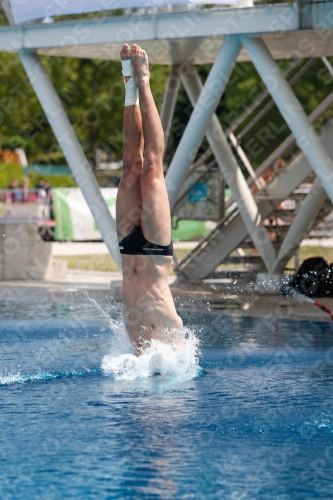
[92, 92]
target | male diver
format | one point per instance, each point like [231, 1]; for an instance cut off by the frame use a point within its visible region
[143, 212]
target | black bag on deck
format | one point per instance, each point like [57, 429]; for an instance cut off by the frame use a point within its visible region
[314, 278]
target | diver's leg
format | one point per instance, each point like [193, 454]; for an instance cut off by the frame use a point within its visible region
[128, 206]
[155, 214]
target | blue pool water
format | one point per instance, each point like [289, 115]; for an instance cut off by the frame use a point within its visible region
[256, 422]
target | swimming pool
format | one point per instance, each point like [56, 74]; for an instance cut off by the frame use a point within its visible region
[256, 421]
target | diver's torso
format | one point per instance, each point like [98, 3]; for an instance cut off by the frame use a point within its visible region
[148, 304]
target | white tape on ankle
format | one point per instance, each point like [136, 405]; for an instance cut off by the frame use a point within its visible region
[127, 67]
[131, 90]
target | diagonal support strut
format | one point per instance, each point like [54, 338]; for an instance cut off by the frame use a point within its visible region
[72, 149]
[292, 111]
[300, 226]
[231, 172]
[205, 107]
[169, 101]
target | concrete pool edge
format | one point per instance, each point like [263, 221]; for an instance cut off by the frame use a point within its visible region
[205, 299]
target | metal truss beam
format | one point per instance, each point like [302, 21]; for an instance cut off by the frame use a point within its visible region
[270, 104]
[72, 150]
[244, 159]
[172, 26]
[257, 101]
[231, 236]
[299, 228]
[290, 140]
[202, 113]
[231, 172]
[292, 111]
[169, 101]
[328, 65]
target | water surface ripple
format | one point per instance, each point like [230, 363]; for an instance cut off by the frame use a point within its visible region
[255, 423]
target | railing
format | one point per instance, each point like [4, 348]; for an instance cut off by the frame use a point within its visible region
[285, 145]
[282, 148]
[204, 240]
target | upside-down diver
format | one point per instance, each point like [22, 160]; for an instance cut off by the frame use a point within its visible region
[143, 212]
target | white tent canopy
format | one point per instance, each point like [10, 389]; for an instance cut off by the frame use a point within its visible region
[24, 10]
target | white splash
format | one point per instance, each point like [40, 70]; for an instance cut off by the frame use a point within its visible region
[19, 378]
[292, 292]
[176, 358]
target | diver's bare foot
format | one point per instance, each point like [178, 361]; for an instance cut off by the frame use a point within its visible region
[125, 52]
[140, 66]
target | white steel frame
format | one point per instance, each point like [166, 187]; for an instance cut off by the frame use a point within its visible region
[236, 27]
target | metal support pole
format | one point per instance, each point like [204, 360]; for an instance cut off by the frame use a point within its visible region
[205, 107]
[72, 150]
[300, 226]
[169, 101]
[244, 159]
[232, 172]
[292, 111]
[328, 65]
[5, 4]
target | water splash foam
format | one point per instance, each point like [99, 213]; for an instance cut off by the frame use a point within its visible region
[19, 378]
[289, 291]
[177, 358]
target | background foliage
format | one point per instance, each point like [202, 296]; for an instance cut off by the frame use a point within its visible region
[93, 95]
[10, 171]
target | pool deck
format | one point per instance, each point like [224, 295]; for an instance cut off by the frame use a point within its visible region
[219, 298]
[224, 297]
